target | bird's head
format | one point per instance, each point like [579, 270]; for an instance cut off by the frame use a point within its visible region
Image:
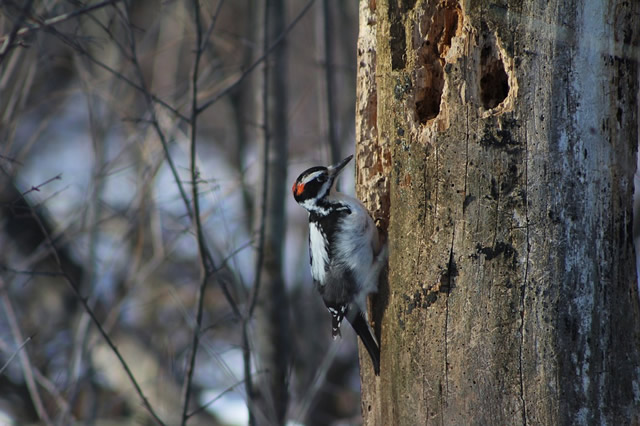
[315, 184]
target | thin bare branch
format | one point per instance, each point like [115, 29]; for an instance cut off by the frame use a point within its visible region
[133, 84]
[42, 24]
[117, 74]
[258, 61]
[248, 378]
[213, 400]
[84, 302]
[7, 41]
[319, 379]
[154, 119]
[112, 346]
[36, 188]
[13, 355]
[43, 381]
[23, 356]
[10, 160]
[5, 268]
[207, 264]
[214, 19]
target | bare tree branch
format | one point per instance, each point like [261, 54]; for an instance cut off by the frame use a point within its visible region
[138, 234]
[23, 356]
[13, 355]
[7, 41]
[258, 61]
[84, 302]
[42, 24]
[213, 400]
[119, 75]
[248, 379]
[206, 261]
[10, 160]
[36, 188]
[5, 268]
[165, 145]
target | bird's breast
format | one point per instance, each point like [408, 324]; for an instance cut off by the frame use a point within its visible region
[318, 249]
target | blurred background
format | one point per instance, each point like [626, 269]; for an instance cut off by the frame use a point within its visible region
[97, 232]
[96, 179]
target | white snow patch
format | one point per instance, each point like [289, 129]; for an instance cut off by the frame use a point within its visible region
[230, 408]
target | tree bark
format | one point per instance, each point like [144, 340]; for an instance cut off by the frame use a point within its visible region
[507, 135]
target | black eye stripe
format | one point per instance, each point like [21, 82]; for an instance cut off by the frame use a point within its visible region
[312, 187]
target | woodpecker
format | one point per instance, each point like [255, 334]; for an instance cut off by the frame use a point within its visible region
[345, 251]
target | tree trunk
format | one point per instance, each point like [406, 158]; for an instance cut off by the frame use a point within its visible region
[507, 135]
[272, 309]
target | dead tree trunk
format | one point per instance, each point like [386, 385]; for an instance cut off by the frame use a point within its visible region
[506, 134]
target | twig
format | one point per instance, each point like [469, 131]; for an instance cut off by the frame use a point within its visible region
[92, 216]
[13, 355]
[5, 268]
[131, 83]
[142, 89]
[7, 41]
[44, 382]
[248, 379]
[316, 384]
[94, 319]
[112, 346]
[55, 20]
[36, 188]
[24, 357]
[50, 387]
[208, 267]
[258, 61]
[205, 40]
[154, 121]
[213, 400]
[9, 159]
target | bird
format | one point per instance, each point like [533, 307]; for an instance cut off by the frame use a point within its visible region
[345, 251]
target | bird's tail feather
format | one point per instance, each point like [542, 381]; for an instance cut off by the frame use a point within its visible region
[362, 329]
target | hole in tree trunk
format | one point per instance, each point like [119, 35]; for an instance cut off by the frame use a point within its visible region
[494, 82]
[435, 30]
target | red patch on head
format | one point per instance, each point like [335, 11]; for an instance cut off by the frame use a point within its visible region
[297, 188]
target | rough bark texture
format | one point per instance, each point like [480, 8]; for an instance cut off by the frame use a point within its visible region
[506, 133]
[373, 169]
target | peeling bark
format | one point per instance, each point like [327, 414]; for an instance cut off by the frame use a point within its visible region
[506, 137]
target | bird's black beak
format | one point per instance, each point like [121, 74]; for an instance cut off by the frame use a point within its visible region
[335, 169]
